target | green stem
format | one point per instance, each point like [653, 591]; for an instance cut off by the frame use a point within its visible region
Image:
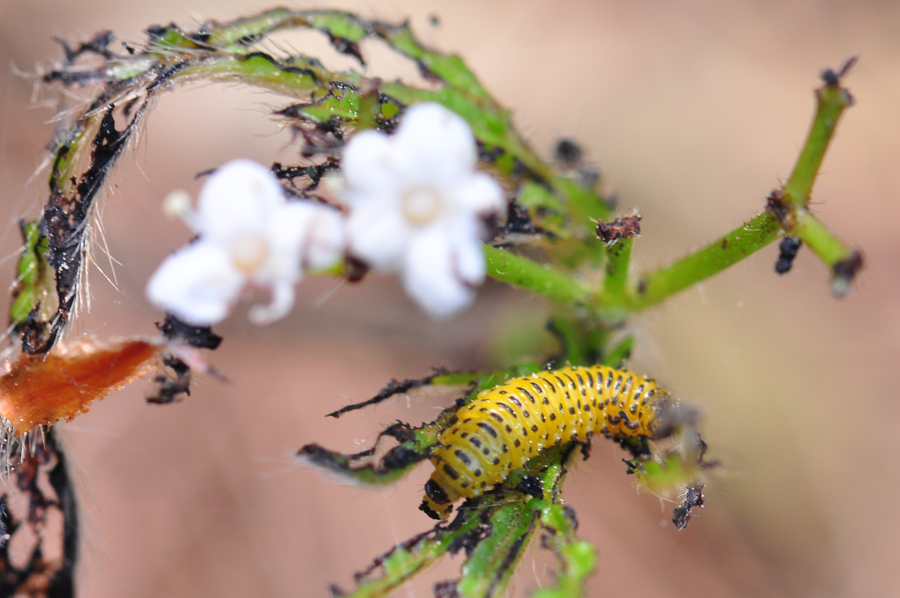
[661, 284]
[583, 340]
[488, 570]
[255, 70]
[508, 520]
[231, 33]
[584, 205]
[843, 261]
[787, 211]
[618, 256]
[578, 559]
[406, 560]
[618, 354]
[819, 239]
[532, 276]
[448, 67]
[832, 100]
[494, 560]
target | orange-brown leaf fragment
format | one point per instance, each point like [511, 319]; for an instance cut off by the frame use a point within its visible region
[42, 389]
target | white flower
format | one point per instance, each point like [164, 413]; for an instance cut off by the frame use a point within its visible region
[248, 234]
[418, 205]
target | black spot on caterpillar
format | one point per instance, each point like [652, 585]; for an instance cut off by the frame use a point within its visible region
[507, 425]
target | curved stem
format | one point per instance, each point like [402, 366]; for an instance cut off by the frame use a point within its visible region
[786, 213]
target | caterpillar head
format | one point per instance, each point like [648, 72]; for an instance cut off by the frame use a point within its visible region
[438, 501]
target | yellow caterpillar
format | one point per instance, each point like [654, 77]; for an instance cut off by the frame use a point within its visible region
[507, 425]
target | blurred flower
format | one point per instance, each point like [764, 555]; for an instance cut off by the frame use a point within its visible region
[248, 234]
[418, 206]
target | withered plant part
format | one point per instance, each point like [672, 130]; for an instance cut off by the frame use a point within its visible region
[35, 562]
[620, 228]
[393, 388]
[40, 390]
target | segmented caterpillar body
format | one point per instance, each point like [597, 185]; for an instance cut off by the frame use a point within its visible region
[507, 425]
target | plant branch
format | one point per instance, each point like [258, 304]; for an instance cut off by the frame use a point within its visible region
[491, 564]
[405, 560]
[618, 257]
[659, 285]
[831, 101]
[578, 558]
[786, 213]
[538, 278]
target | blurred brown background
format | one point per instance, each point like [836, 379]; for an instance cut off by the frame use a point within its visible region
[694, 111]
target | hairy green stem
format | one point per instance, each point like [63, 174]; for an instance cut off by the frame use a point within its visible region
[787, 212]
[408, 559]
[819, 239]
[584, 205]
[491, 565]
[538, 278]
[615, 283]
[487, 571]
[578, 559]
[832, 100]
[661, 284]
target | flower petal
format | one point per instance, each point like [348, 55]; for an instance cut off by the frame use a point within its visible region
[377, 236]
[468, 258]
[196, 283]
[479, 193]
[435, 145]
[237, 197]
[429, 278]
[417, 204]
[326, 239]
[367, 164]
[281, 303]
[286, 231]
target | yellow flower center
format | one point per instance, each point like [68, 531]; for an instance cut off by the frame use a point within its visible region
[249, 251]
[420, 205]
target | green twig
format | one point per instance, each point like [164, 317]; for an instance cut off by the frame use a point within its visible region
[615, 283]
[494, 529]
[578, 558]
[582, 338]
[832, 100]
[616, 356]
[584, 205]
[405, 560]
[490, 566]
[34, 284]
[492, 563]
[786, 213]
[571, 337]
[661, 284]
[538, 278]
